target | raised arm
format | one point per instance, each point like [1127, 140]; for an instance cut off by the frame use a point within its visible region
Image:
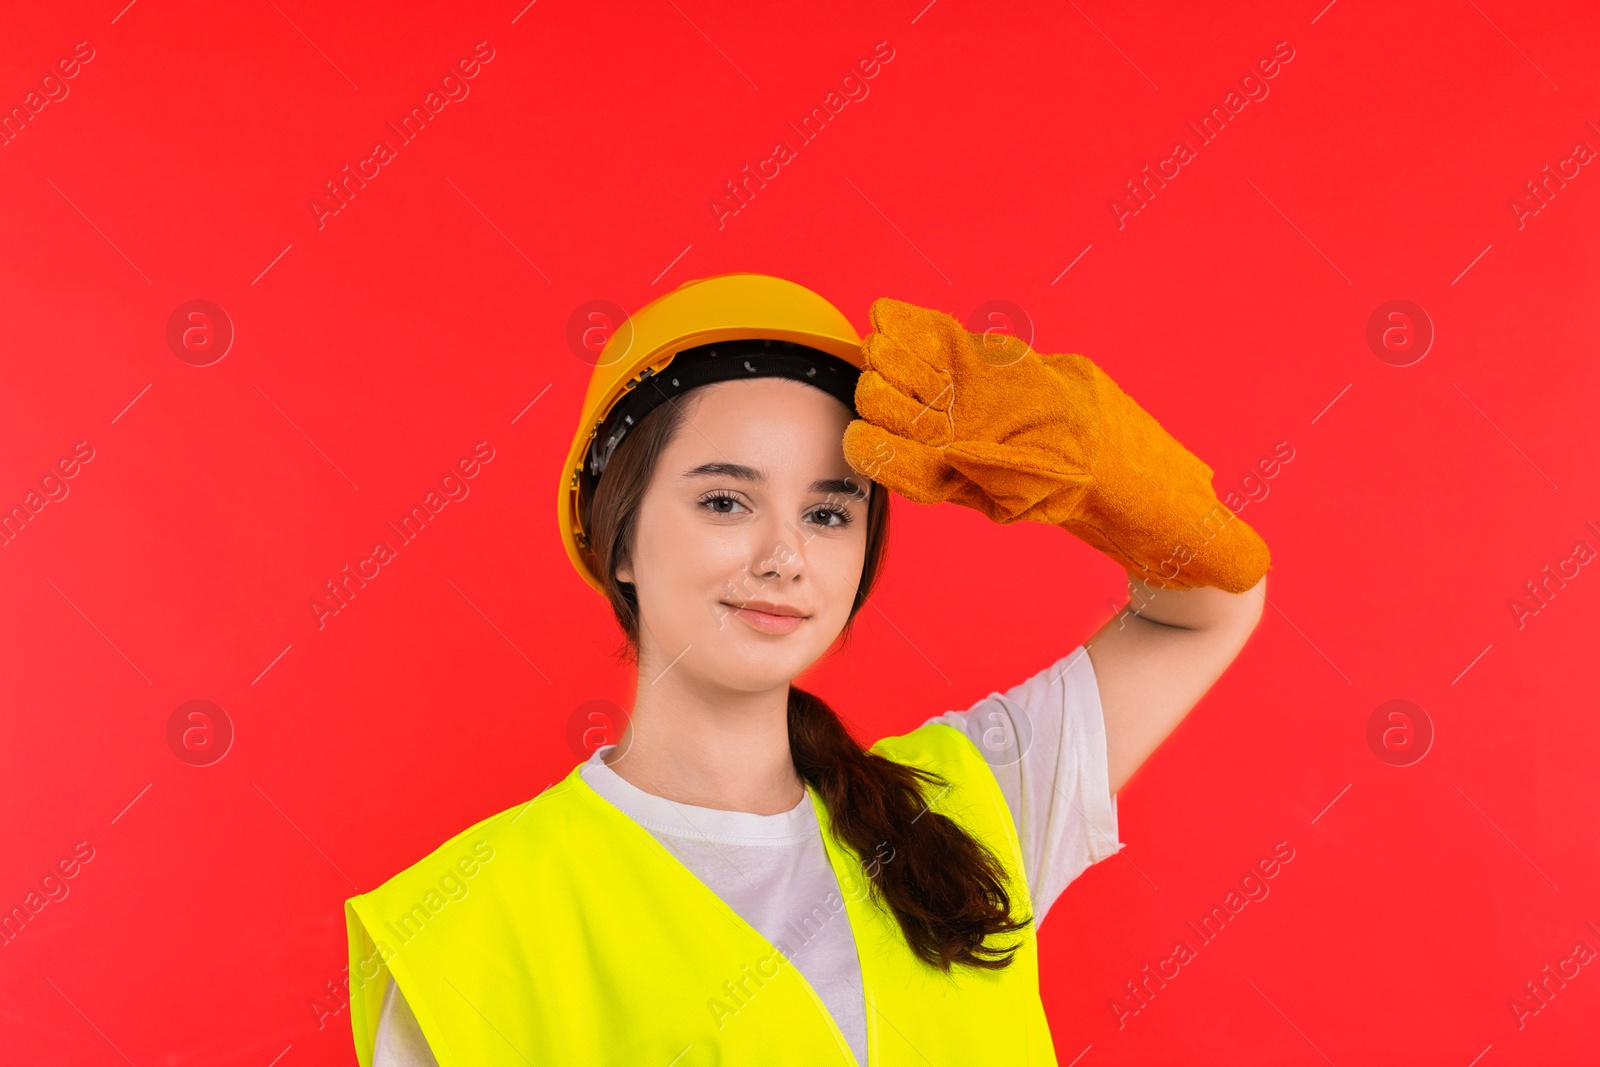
[983, 421]
[1158, 656]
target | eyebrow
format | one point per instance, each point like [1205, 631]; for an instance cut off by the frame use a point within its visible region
[750, 474]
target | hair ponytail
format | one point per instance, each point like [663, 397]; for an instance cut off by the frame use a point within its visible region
[945, 887]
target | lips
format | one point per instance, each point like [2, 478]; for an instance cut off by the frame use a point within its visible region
[768, 617]
[767, 607]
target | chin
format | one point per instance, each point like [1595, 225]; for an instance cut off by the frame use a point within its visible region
[756, 668]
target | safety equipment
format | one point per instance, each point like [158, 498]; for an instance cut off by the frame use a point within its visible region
[984, 421]
[561, 931]
[709, 329]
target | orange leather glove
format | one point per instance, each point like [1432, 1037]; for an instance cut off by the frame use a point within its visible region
[984, 421]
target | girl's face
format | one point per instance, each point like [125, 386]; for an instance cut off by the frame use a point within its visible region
[751, 504]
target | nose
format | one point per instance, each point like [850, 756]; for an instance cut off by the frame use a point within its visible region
[780, 558]
[780, 553]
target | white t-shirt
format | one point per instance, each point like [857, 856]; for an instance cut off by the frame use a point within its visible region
[1045, 740]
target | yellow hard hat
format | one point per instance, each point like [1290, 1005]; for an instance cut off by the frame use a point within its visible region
[706, 330]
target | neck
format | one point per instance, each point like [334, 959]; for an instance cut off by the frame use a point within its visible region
[725, 750]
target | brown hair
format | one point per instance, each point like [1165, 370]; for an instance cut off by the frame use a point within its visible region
[945, 887]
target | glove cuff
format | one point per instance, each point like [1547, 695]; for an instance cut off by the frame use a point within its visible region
[1151, 506]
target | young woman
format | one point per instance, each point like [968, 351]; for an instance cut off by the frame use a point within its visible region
[736, 880]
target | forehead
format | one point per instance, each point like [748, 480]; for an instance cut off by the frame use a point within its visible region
[762, 421]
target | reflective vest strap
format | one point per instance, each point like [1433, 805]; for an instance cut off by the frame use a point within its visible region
[366, 989]
[970, 1015]
[973, 799]
[381, 923]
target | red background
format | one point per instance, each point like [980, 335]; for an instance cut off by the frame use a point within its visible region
[427, 315]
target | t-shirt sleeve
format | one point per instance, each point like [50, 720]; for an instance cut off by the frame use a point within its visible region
[1045, 740]
[400, 1042]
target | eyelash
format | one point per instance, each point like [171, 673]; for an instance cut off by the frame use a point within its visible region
[845, 518]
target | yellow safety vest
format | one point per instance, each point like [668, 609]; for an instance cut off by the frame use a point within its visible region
[561, 932]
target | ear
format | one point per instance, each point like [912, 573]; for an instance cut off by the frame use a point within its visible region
[624, 573]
